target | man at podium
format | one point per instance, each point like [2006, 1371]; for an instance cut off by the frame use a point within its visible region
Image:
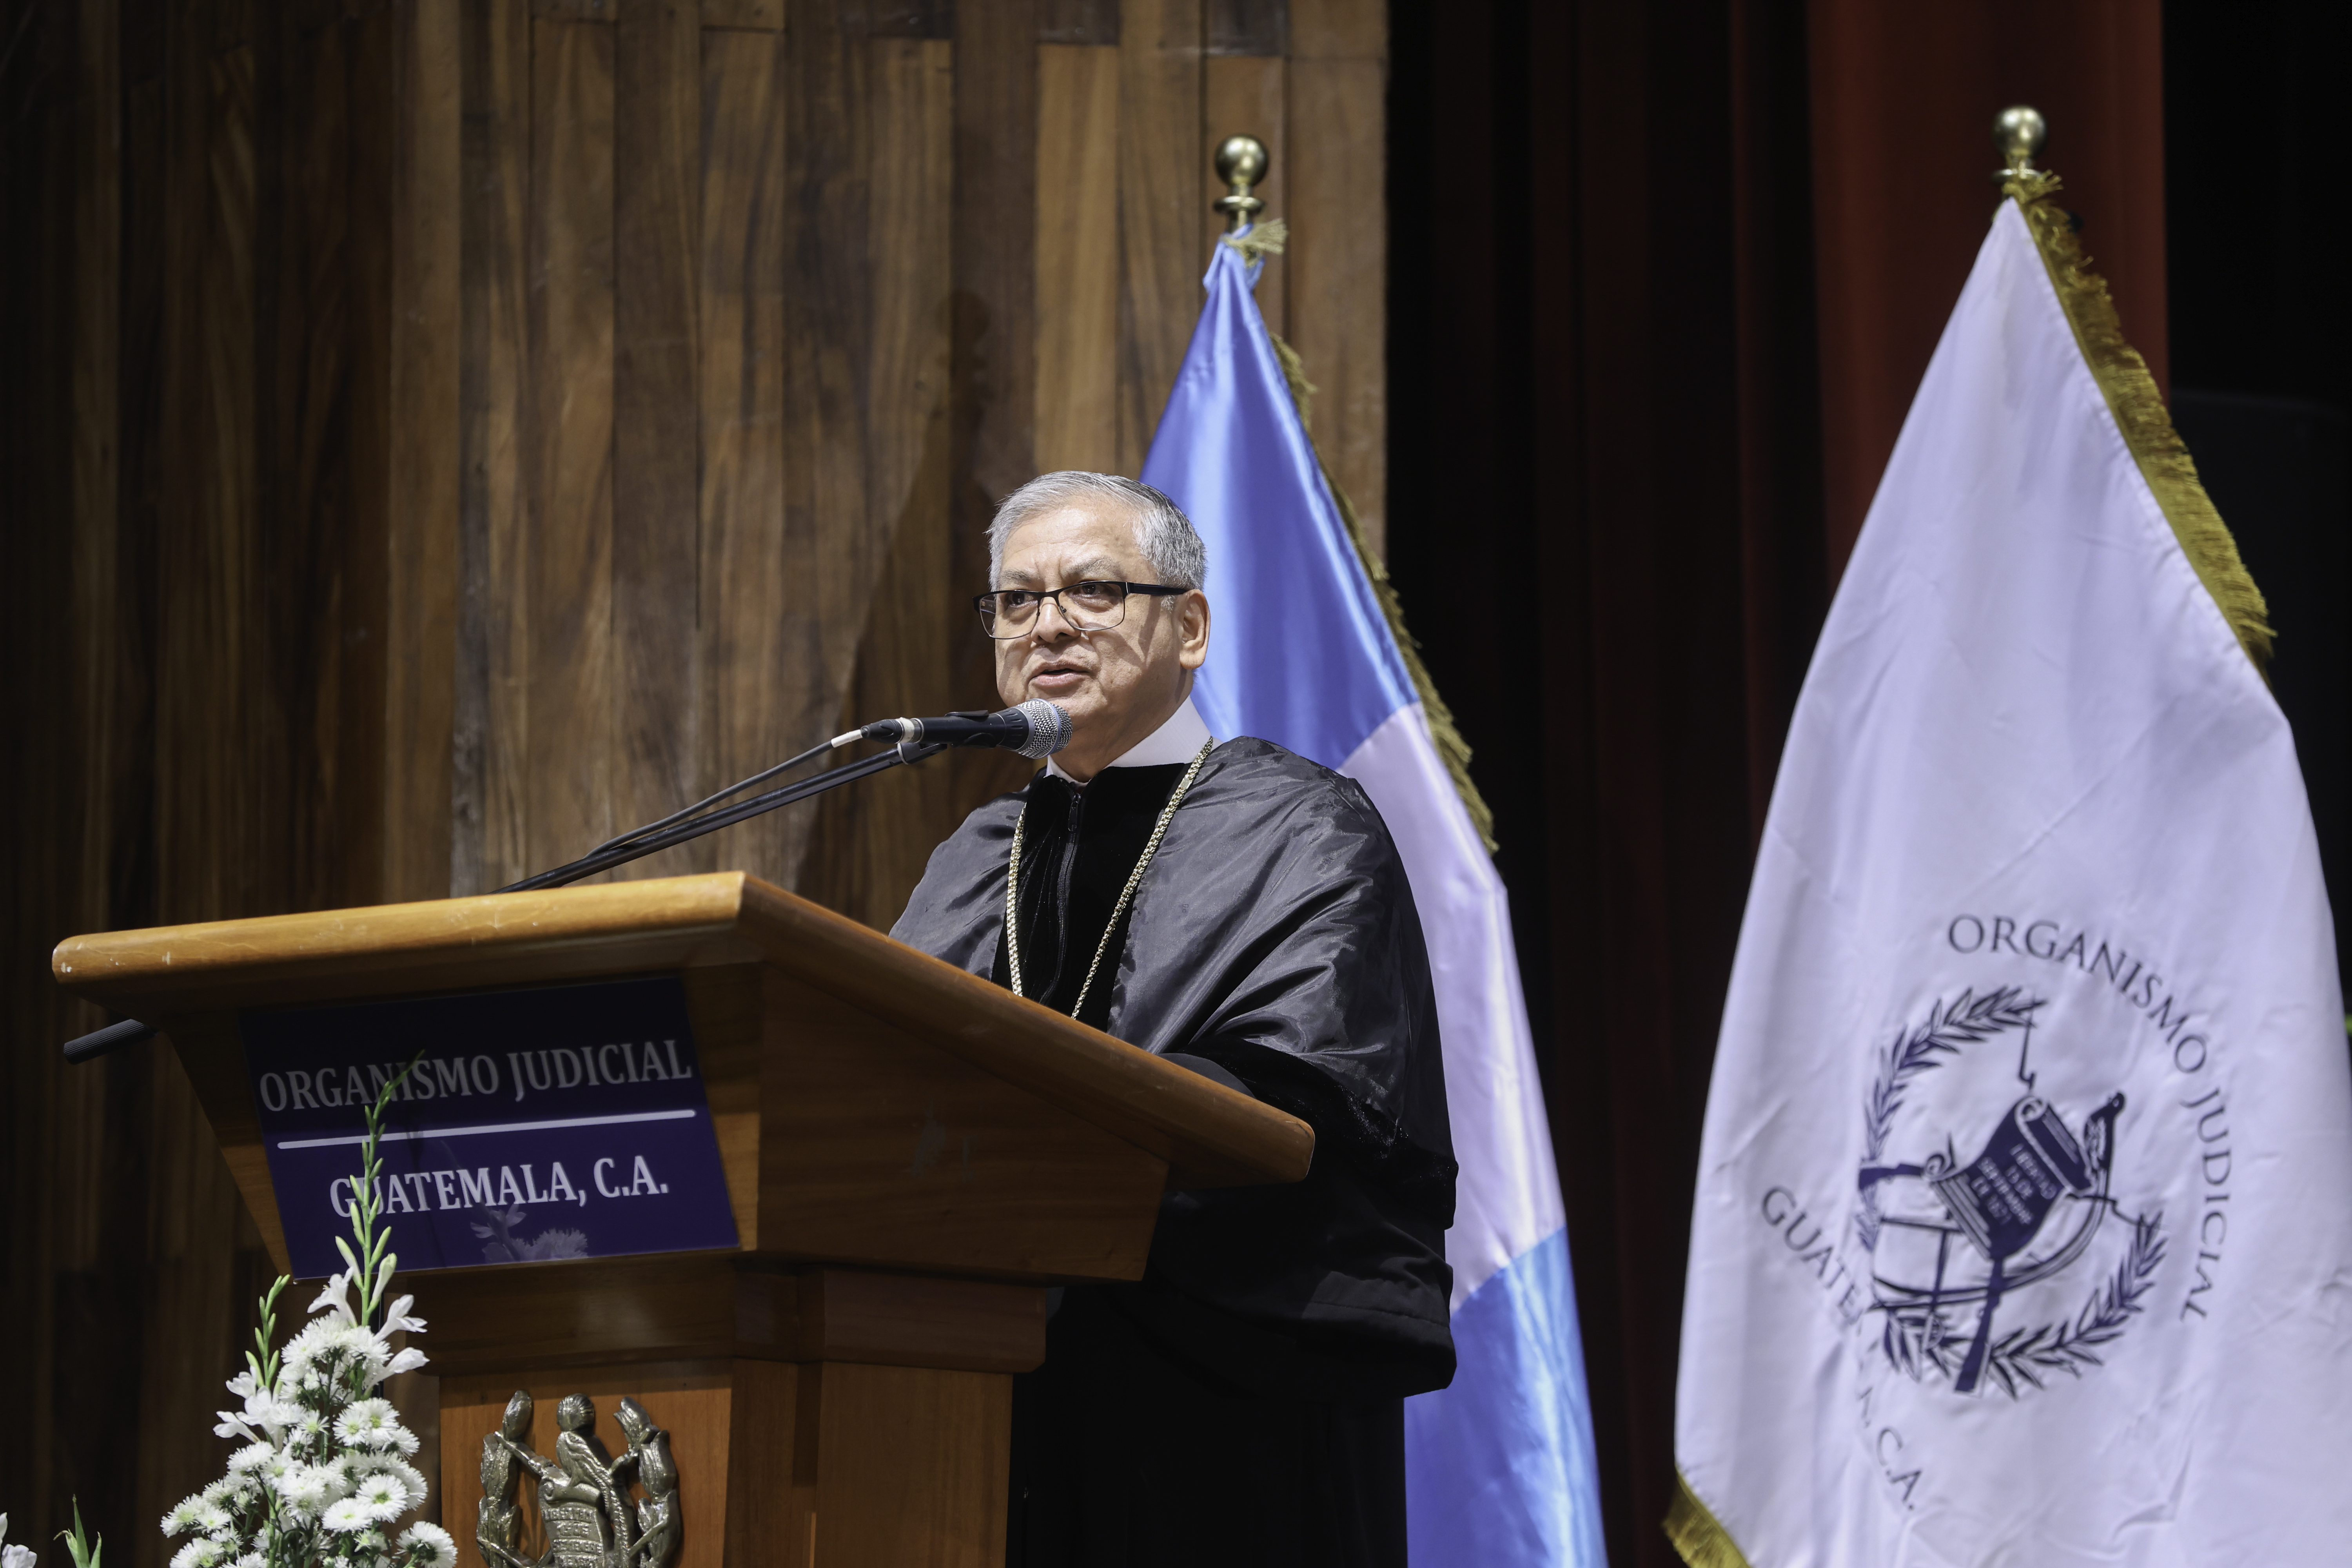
[1242, 911]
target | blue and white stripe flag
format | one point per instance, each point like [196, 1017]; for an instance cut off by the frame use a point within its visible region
[1499, 1467]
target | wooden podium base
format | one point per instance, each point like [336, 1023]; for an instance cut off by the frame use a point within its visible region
[851, 1417]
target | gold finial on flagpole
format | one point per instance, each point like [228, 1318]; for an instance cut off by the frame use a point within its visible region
[2019, 131]
[1241, 163]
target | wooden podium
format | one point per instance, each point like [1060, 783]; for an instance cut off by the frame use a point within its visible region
[913, 1156]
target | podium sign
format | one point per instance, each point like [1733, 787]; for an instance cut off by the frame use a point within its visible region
[551, 1123]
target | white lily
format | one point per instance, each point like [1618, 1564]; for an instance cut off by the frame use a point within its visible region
[335, 1296]
[263, 1419]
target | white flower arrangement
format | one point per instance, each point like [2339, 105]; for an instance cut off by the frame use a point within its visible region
[15, 1556]
[323, 1477]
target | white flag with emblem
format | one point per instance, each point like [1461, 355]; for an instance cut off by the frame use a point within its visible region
[2023, 1232]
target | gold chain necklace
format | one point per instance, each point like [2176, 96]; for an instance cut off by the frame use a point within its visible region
[1127, 894]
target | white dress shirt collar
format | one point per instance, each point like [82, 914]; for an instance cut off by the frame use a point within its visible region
[1177, 741]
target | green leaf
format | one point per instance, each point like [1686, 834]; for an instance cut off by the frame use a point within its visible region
[79, 1543]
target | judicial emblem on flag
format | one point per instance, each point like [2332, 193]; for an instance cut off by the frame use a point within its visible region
[1999, 1241]
[2002, 1238]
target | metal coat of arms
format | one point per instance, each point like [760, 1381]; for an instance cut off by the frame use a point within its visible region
[589, 1502]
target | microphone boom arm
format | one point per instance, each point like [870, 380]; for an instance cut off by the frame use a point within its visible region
[646, 844]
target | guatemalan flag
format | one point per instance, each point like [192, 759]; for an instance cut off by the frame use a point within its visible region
[1499, 1467]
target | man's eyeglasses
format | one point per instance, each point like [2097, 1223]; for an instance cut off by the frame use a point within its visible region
[1086, 606]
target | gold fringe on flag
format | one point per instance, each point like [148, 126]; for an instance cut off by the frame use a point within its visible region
[1697, 1533]
[2140, 411]
[1442, 729]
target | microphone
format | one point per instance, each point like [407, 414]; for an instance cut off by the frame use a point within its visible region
[1035, 728]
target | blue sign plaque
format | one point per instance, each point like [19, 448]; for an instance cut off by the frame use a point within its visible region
[564, 1122]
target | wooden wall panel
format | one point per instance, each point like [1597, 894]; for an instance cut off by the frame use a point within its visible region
[1336, 265]
[569, 763]
[48, 1252]
[996, 126]
[910, 160]
[1160, 230]
[97, 374]
[484, 425]
[308, 434]
[421, 443]
[753, 15]
[361, 606]
[868, 849]
[994, 316]
[757, 711]
[1077, 256]
[656, 564]
[212, 689]
[491, 724]
[828, 344]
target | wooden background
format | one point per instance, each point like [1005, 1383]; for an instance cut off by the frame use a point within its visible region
[444, 432]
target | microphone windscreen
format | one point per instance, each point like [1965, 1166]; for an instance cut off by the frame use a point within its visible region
[1049, 728]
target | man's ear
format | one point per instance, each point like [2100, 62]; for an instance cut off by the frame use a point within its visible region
[1192, 629]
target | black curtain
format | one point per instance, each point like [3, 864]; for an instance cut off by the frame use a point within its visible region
[2257, 155]
[1605, 524]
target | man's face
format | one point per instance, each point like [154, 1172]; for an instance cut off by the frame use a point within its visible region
[1118, 684]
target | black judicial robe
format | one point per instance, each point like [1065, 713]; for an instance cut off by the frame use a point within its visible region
[1243, 1402]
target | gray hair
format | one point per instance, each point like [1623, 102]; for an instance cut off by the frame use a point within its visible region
[1162, 532]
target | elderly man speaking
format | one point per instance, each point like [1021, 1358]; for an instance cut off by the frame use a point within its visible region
[1242, 911]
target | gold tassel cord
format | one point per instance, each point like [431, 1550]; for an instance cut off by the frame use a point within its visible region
[1264, 239]
[2140, 412]
[1441, 728]
[1697, 1533]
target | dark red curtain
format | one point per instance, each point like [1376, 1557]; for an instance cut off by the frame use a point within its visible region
[1902, 101]
[1664, 278]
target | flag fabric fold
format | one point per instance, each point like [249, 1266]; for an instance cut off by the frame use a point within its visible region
[2023, 1226]
[1499, 1466]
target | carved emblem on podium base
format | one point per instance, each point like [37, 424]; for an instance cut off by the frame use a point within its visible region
[596, 1512]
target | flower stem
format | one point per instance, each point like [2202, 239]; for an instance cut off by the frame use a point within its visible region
[372, 1275]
